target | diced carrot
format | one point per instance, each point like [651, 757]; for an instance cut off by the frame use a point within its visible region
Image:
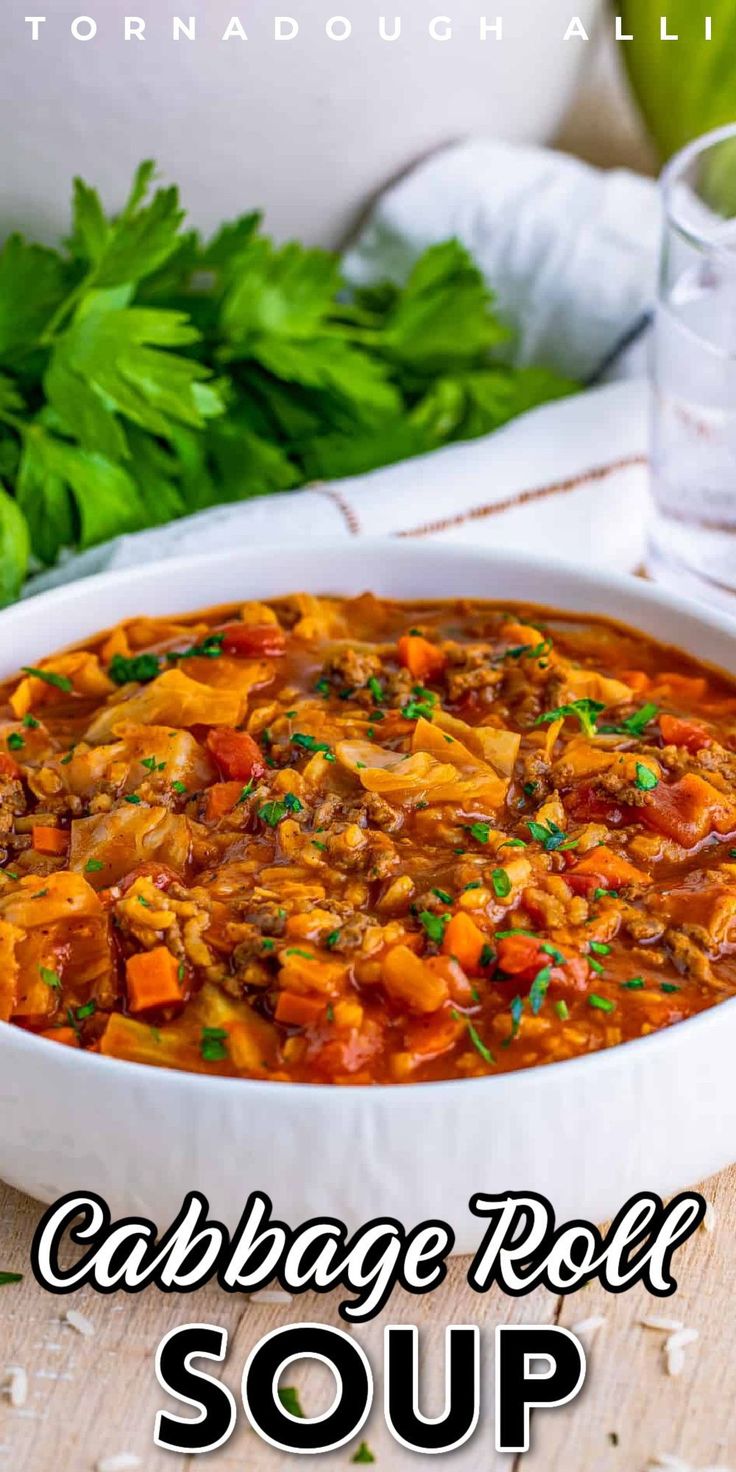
[409, 981]
[464, 941]
[518, 954]
[689, 687]
[66, 1035]
[221, 799]
[419, 657]
[152, 979]
[299, 1011]
[49, 840]
[254, 641]
[690, 734]
[522, 635]
[636, 679]
[236, 753]
[610, 869]
[8, 768]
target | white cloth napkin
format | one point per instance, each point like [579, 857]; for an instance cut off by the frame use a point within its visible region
[572, 255]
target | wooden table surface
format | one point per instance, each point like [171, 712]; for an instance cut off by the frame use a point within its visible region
[90, 1398]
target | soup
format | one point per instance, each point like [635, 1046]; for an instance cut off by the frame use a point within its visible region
[357, 841]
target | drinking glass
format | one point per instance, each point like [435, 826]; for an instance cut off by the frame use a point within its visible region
[692, 532]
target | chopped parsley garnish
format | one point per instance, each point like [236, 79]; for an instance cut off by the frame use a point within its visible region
[479, 831]
[15, 741]
[552, 951]
[132, 797]
[316, 843]
[181, 972]
[550, 836]
[645, 778]
[323, 688]
[49, 677]
[213, 1044]
[668, 986]
[601, 894]
[332, 939]
[65, 760]
[601, 1004]
[475, 1038]
[363, 1454]
[513, 843]
[152, 765]
[30, 722]
[376, 689]
[6, 1278]
[210, 648]
[443, 896]
[415, 708]
[529, 651]
[538, 989]
[246, 792]
[599, 948]
[516, 1009]
[289, 1398]
[596, 966]
[273, 813]
[179, 787]
[50, 977]
[87, 1010]
[502, 934]
[93, 866]
[487, 955]
[562, 1010]
[297, 951]
[501, 883]
[635, 724]
[434, 925]
[139, 668]
[267, 944]
[585, 711]
[635, 985]
[310, 743]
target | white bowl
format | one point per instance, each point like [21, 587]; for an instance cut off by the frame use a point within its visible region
[655, 1114]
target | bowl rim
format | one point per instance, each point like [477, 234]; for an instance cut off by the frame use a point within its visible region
[620, 585]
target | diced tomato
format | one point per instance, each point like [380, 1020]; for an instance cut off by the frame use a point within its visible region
[688, 810]
[254, 641]
[236, 753]
[9, 768]
[160, 876]
[573, 977]
[590, 806]
[520, 955]
[422, 659]
[690, 734]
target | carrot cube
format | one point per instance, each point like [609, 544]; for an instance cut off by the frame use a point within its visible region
[152, 979]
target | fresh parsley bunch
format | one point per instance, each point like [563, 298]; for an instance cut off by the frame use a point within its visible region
[145, 374]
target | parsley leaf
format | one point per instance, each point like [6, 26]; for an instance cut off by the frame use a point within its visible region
[585, 712]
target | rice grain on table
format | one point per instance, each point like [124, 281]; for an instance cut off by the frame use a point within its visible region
[663, 1326]
[77, 1321]
[15, 1385]
[121, 1462]
[271, 1295]
[674, 1349]
[589, 1327]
